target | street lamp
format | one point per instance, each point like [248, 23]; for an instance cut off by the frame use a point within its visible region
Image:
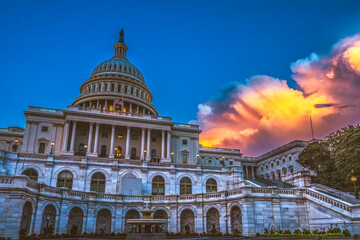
[223, 160]
[116, 152]
[52, 147]
[172, 157]
[354, 179]
[197, 158]
[16, 141]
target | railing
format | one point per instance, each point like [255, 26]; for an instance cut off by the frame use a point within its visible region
[220, 149]
[185, 166]
[32, 155]
[211, 167]
[333, 191]
[328, 199]
[68, 158]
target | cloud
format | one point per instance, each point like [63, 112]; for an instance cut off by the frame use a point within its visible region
[264, 112]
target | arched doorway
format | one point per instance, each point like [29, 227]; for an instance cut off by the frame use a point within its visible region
[212, 221]
[161, 214]
[48, 220]
[187, 221]
[75, 221]
[103, 221]
[131, 214]
[26, 218]
[236, 220]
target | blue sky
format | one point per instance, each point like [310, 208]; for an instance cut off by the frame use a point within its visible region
[186, 50]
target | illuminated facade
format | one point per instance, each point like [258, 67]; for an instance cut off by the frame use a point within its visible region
[109, 155]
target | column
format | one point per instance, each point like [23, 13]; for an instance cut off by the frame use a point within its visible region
[73, 137]
[66, 140]
[97, 104]
[162, 144]
[111, 155]
[127, 155]
[137, 110]
[142, 157]
[106, 105]
[252, 172]
[168, 145]
[96, 138]
[143, 111]
[90, 138]
[148, 150]
[130, 108]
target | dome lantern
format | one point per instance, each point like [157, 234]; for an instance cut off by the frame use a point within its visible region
[120, 47]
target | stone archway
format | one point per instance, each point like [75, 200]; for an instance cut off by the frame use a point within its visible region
[48, 220]
[187, 221]
[103, 221]
[131, 214]
[212, 221]
[161, 214]
[26, 217]
[236, 220]
[75, 221]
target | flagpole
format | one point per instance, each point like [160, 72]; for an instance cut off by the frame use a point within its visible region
[312, 129]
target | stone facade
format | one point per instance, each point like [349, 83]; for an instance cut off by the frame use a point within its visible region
[109, 155]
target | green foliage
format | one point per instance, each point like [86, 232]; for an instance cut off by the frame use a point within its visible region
[306, 235]
[335, 160]
[297, 231]
[346, 232]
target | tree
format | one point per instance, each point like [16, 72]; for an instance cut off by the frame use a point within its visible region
[335, 160]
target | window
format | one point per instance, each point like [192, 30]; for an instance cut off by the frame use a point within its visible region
[262, 169]
[106, 87]
[283, 160]
[277, 163]
[82, 149]
[119, 136]
[211, 185]
[267, 167]
[105, 134]
[99, 87]
[32, 174]
[184, 158]
[98, 182]
[65, 179]
[185, 186]
[184, 142]
[103, 151]
[119, 87]
[83, 132]
[137, 92]
[44, 128]
[153, 154]
[290, 158]
[231, 163]
[42, 147]
[133, 153]
[134, 137]
[14, 147]
[153, 139]
[112, 87]
[125, 90]
[158, 186]
[141, 94]
[94, 88]
[272, 165]
[131, 90]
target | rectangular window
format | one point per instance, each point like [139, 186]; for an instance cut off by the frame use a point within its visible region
[153, 139]
[134, 137]
[105, 134]
[83, 132]
[119, 136]
[184, 158]
[44, 128]
[106, 87]
[42, 148]
[119, 88]
[184, 142]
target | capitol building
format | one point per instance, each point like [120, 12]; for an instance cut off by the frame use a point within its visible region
[109, 155]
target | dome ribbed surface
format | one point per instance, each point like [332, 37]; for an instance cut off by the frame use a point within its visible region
[118, 66]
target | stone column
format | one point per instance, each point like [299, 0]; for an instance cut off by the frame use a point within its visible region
[35, 137]
[73, 137]
[168, 145]
[162, 144]
[142, 157]
[26, 137]
[96, 138]
[130, 108]
[137, 110]
[66, 139]
[111, 154]
[90, 138]
[148, 150]
[97, 104]
[127, 154]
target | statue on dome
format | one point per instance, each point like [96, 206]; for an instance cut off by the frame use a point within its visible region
[121, 36]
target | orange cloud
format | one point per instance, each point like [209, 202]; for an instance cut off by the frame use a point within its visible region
[265, 112]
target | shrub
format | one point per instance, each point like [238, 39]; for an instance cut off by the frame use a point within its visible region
[287, 232]
[305, 231]
[346, 232]
[297, 231]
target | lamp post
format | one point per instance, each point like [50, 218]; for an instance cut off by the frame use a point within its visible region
[197, 158]
[144, 155]
[85, 149]
[52, 147]
[172, 157]
[116, 153]
[16, 141]
[354, 179]
[223, 160]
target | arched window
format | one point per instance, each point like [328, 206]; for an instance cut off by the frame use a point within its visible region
[98, 182]
[65, 179]
[81, 149]
[103, 151]
[153, 154]
[211, 185]
[32, 174]
[185, 186]
[158, 186]
[133, 153]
